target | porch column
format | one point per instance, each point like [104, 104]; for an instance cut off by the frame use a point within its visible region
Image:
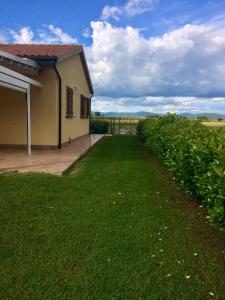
[28, 121]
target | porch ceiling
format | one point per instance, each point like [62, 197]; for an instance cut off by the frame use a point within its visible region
[21, 65]
[14, 80]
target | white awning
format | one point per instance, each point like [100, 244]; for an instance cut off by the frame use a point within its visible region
[15, 81]
[24, 66]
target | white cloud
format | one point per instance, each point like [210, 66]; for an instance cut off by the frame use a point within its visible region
[158, 105]
[3, 37]
[130, 9]
[113, 12]
[23, 36]
[49, 35]
[87, 32]
[137, 7]
[56, 35]
[187, 62]
[182, 70]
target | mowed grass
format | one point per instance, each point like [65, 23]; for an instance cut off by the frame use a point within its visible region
[117, 227]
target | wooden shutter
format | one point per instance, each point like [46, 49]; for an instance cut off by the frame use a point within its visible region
[84, 107]
[69, 101]
[88, 107]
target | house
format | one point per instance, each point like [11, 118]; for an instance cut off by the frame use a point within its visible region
[45, 95]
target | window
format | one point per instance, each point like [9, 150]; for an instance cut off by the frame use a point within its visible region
[84, 107]
[69, 102]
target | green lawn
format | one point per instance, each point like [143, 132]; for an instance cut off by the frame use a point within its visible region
[117, 227]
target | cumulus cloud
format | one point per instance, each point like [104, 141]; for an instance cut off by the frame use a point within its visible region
[48, 35]
[57, 35]
[87, 32]
[130, 9]
[181, 70]
[137, 7]
[186, 62]
[159, 105]
[23, 36]
[113, 12]
[3, 37]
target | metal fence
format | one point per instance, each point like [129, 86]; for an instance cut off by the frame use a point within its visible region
[120, 125]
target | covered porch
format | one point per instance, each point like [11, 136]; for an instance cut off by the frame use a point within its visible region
[54, 162]
[12, 79]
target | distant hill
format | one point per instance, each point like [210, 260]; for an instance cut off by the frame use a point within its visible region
[128, 114]
[208, 115]
[145, 113]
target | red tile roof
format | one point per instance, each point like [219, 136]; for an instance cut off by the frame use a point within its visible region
[34, 50]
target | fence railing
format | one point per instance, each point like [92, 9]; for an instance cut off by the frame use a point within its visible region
[119, 125]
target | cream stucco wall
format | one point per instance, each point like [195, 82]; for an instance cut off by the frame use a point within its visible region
[44, 109]
[43, 113]
[12, 117]
[72, 74]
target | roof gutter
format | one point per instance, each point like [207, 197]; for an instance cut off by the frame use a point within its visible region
[59, 80]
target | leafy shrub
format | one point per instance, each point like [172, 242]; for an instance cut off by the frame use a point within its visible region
[99, 126]
[140, 128]
[194, 154]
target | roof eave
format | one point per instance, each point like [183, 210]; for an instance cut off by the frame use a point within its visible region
[42, 59]
[17, 59]
[84, 63]
[85, 66]
[61, 57]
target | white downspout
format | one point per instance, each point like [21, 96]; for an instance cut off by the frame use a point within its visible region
[28, 122]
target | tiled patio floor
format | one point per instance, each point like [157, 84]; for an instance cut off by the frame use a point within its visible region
[46, 161]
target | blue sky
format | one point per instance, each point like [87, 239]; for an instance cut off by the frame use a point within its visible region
[74, 16]
[154, 55]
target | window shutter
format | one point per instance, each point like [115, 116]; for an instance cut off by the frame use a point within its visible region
[84, 107]
[81, 106]
[69, 101]
[88, 107]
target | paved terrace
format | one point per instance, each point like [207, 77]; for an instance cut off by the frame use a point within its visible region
[46, 161]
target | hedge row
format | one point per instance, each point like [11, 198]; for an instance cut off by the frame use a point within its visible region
[99, 126]
[194, 154]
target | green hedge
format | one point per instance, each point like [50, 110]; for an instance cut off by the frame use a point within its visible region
[99, 126]
[194, 154]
